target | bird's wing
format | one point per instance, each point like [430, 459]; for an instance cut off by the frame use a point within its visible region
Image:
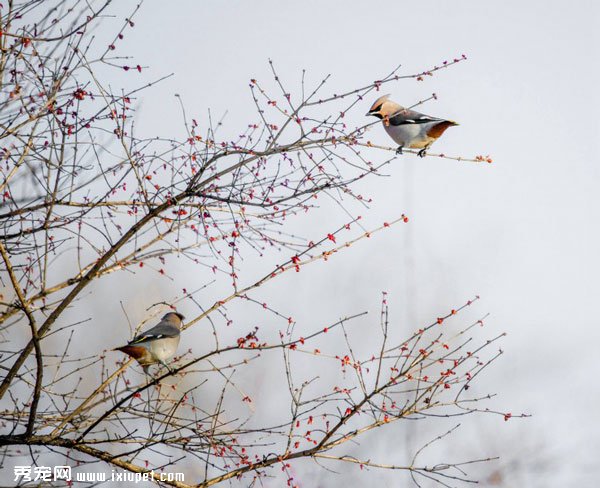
[159, 331]
[407, 116]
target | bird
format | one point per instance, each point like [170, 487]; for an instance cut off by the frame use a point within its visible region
[407, 127]
[157, 344]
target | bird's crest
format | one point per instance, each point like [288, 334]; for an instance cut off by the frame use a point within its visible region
[177, 314]
[377, 104]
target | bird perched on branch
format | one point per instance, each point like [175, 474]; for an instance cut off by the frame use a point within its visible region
[407, 127]
[157, 344]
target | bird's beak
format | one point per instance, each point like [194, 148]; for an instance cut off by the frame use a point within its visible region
[369, 113]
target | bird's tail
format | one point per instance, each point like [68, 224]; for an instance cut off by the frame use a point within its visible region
[136, 352]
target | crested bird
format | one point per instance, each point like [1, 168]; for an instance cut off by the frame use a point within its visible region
[407, 127]
[157, 344]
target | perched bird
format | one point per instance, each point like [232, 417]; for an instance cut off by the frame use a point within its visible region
[407, 127]
[157, 344]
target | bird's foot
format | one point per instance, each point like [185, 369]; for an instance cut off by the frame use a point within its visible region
[399, 150]
[171, 370]
[422, 153]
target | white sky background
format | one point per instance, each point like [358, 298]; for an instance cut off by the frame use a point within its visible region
[521, 232]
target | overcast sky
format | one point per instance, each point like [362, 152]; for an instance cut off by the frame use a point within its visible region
[522, 232]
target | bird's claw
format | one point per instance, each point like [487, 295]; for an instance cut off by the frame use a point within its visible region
[171, 370]
[399, 150]
[422, 153]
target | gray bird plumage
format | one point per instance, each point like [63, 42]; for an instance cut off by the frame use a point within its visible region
[408, 128]
[156, 344]
[408, 116]
[167, 327]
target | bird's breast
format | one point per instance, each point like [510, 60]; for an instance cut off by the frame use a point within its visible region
[164, 348]
[404, 134]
